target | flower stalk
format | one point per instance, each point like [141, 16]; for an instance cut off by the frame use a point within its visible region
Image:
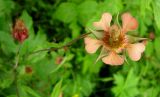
[15, 71]
[63, 46]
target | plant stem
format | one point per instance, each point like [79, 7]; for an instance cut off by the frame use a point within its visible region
[66, 45]
[15, 71]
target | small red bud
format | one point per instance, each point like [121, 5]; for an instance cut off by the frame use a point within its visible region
[59, 60]
[151, 35]
[20, 32]
[28, 69]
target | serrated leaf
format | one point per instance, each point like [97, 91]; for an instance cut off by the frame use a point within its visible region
[81, 86]
[124, 84]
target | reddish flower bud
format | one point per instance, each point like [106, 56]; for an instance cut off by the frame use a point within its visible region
[28, 69]
[151, 35]
[20, 31]
[59, 60]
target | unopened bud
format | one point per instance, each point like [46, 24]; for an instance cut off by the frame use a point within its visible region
[151, 35]
[59, 60]
[20, 32]
[28, 70]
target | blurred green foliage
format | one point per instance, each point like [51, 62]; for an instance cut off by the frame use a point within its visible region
[71, 71]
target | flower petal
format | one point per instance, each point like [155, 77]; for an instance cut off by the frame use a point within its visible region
[113, 59]
[128, 22]
[91, 45]
[135, 51]
[104, 23]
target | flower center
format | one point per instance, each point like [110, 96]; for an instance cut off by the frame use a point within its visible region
[114, 39]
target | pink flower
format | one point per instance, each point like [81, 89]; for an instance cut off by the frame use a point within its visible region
[113, 40]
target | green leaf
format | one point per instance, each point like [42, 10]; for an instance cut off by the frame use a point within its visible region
[36, 43]
[27, 19]
[80, 86]
[57, 89]
[154, 91]
[156, 7]
[6, 6]
[149, 49]
[7, 43]
[86, 10]
[75, 29]
[112, 6]
[66, 12]
[142, 26]
[12, 96]
[126, 87]
[31, 91]
[157, 46]
[22, 91]
[6, 80]
[89, 63]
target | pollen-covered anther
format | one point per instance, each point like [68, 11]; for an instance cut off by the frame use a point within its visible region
[114, 39]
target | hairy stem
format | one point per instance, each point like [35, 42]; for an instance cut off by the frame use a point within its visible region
[66, 45]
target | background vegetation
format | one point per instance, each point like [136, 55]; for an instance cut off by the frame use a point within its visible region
[71, 71]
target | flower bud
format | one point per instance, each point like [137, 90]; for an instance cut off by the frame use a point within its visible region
[151, 35]
[28, 70]
[20, 32]
[58, 60]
